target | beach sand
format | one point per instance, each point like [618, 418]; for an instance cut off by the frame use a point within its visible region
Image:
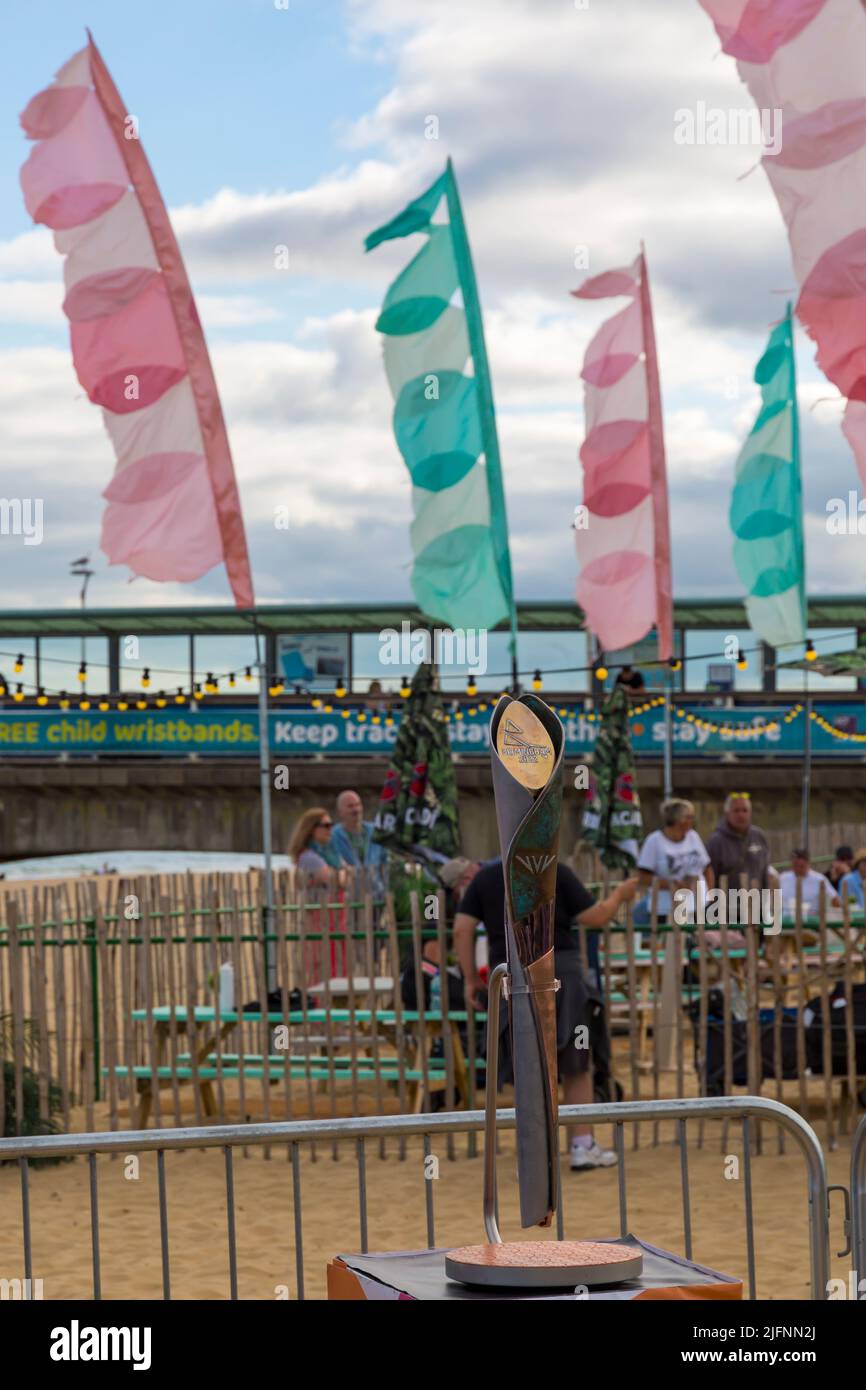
[129, 1214]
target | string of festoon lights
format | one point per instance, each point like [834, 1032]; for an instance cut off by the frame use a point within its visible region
[226, 683]
[145, 698]
[843, 735]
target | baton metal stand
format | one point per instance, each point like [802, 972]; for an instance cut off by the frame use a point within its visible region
[527, 1264]
[495, 985]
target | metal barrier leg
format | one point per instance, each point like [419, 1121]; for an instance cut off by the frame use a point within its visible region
[858, 1206]
[494, 993]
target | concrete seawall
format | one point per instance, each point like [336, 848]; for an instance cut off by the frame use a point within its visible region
[52, 808]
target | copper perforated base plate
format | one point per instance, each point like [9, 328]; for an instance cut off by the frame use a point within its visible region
[544, 1263]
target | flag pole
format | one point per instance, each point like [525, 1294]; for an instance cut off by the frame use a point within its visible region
[658, 472]
[265, 797]
[669, 737]
[801, 551]
[807, 770]
[492, 460]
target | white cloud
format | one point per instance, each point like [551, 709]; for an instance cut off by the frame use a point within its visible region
[560, 122]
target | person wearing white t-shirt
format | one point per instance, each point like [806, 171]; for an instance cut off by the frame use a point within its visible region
[674, 856]
[810, 882]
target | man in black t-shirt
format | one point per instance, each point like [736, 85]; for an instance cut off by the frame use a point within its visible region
[631, 680]
[577, 1002]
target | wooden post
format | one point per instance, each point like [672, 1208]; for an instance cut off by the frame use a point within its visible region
[172, 984]
[703, 1020]
[826, 1036]
[655, 990]
[631, 974]
[17, 990]
[399, 1027]
[417, 955]
[727, 1021]
[191, 989]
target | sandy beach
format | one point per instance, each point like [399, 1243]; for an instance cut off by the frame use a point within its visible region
[129, 1218]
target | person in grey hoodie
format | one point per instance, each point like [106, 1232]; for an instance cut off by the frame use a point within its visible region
[738, 847]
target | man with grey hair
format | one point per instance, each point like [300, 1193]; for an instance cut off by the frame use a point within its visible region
[738, 848]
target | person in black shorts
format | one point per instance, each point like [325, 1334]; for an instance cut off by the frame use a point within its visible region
[577, 1000]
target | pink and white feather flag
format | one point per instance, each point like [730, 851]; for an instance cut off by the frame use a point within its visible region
[137, 344]
[624, 551]
[807, 59]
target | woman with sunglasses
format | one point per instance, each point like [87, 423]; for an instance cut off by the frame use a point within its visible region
[310, 847]
[318, 867]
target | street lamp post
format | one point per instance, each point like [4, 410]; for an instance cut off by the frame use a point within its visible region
[81, 569]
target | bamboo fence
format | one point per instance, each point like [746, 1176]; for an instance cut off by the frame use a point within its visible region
[111, 1006]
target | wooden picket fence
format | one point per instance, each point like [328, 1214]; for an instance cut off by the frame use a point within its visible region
[110, 1006]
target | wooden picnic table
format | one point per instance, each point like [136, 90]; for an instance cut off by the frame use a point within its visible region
[210, 1027]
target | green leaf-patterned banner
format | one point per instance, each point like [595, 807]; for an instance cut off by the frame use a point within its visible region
[612, 819]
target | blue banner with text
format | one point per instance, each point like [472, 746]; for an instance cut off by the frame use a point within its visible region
[698, 731]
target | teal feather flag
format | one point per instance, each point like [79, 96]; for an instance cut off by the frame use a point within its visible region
[767, 505]
[444, 420]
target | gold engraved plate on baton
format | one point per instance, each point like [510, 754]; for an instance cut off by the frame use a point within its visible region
[525, 746]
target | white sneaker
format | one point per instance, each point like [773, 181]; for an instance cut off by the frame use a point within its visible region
[593, 1157]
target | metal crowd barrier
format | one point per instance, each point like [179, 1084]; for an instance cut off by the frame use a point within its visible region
[858, 1208]
[295, 1133]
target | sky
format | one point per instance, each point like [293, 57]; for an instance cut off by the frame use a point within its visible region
[305, 124]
